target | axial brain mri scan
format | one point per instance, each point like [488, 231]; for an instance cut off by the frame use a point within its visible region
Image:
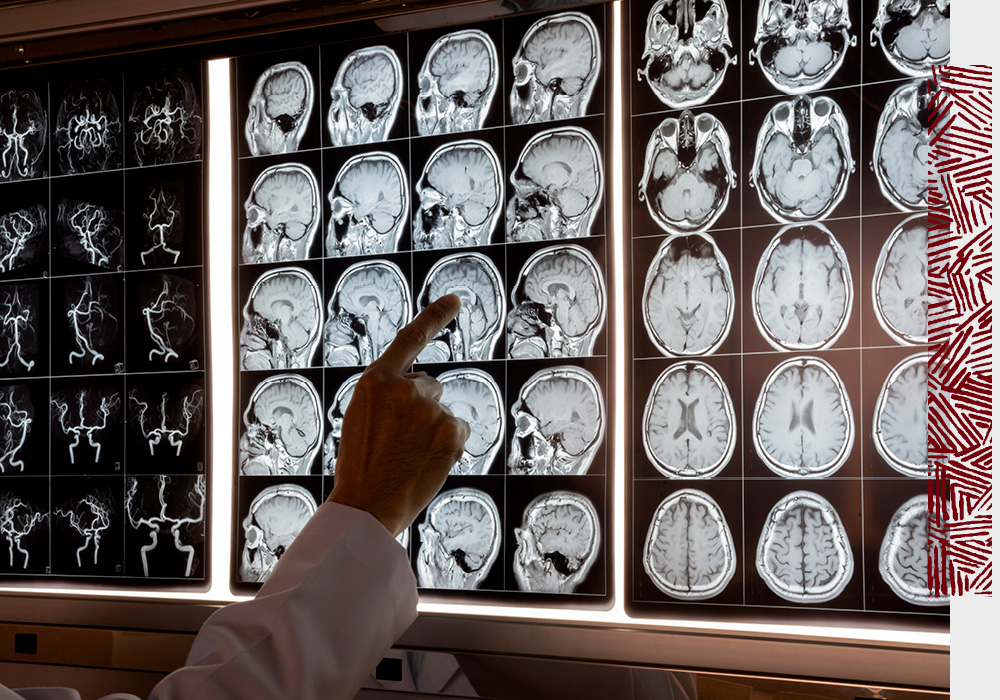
[557, 543]
[459, 539]
[903, 557]
[24, 128]
[279, 109]
[282, 427]
[457, 83]
[900, 424]
[915, 35]
[899, 286]
[902, 146]
[369, 204]
[282, 321]
[282, 215]
[365, 97]
[276, 515]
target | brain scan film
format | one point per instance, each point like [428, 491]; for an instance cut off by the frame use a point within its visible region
[802, 292]
[89, 518]
[165, 120]
[689, 424]
[558, 305]
[89, 302]
[369, 204]
[282, 215]
[169, 422]
[461, 196]
[163, 212]
[899, 286]
[474, 396]
[457, 83]
[557, 543]
[689, 552]
[174, 504]
[20, 323]
[167, 304]
[915, 35]
[276, 516]
[555, 69]
[803, 159]
[558, 186]
[687, 51]
[86, 414]
[282, 428]
[900, 425]
[88, 129]
[559, 422]
[17, 418]
[335, 415]
[279, 109]
[800, 44]
[688, 297]
[18, 519]
[24, 237]
[903, 556]
[23, 134]
[804, 555]
[902, 146]
[688, 173]
[365, 96]
[803, 424]
[89, 233]
[459, 540]
[282, 321]
[474, 333]
[371, 302]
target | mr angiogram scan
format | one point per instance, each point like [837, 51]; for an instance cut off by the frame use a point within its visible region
[20, 316]
[276, 515]
[369, 205]
[900, 424]
[88, 129]
[89, 518]
[282, 427]
[365, 96]
[93, 327]
[282, 321]
[903, 556]
[459, 539]
[915, 35]
[89, 233]
[557, 543]
[899, 286]
[24, 237]
[17, 416]
[169, 422]
[457, 83]
[167, 305]
[165, 119]
[282, 215]
[89, 413]
[279, 109]
[335, 416]
[24, 126]
[474, 396]
[18, 518]
[902, 146]
[170, 507]
[163, 212]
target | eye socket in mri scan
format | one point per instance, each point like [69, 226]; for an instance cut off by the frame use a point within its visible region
[282, 321]
[557, 543]
[282, 215]
[474, 396]
[456, 83]
[365, 96]
[900, 424]
[279, 109]
[902, 146]
[899, 286]
[459, 540]
[903, 556]
[282, 427]
[915, 35]
[276, 515]
[369, 204]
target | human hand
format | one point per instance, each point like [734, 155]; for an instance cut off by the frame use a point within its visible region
[398, 442]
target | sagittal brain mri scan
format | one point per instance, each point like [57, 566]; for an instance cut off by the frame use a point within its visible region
[804, 555]
[559, 423]
[83, 419]
[558, 305]
[902, 146]
[687, 51]
[459, 540]
[88, 519]
[557, 543]
[687, 173]
[689, 552]
[282, 321]
[335, 416]
[803, 423]
[165, 119]
[900, 425]
[158, 505]
[902, 560]
[19, 518]
[163, 212]
[688, 297]
[371, 302]
[689, 424]
[555, 69]
[168, 421]
[17, 420]
[558, 187]
[24, 128]
[899, 286]
[282, 215]
[279, 109]
[89, 233]
[461, 196]
[474, 396]
[21, 319]
[167, 304]
[93, 328]
[369, 205]
[915, 35]
[88, 129]
[474, 333]
[24, 236]
[800, 44]
[456, 83]
[282, 428]
[365, 96]
[803, 159]
[802, 292]
[276, 516]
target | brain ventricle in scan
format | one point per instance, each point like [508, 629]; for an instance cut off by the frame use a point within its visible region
[899, 286]
[370, 303]
[900, 424]
[903, 556]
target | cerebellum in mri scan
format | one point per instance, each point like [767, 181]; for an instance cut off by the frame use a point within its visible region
[365, 96]
[456, 83]
[915, 35]
[902, 146]
[276, 515]
[557, 544]
[24, 237]
[282, 214]
[282, 321]
[282, 427]
[369, 204]
[474, 396]
[902, 560]
[24, 128]
[459, 540]
[899, 286]
[900, 425]
[335, 416]
[21, 321]
[279, 109]
[88, 129]
[165, 120]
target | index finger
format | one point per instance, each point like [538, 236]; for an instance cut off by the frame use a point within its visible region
[413, 337]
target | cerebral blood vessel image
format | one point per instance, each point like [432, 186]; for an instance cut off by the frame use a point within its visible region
[17, 415]
[87, 413]
[803, 424]
[688, 173]
[279, 109]
[457, 82]
[282, 427]
[558, 186]
[689, 424]
[803, 554]
[172, 421]
[163, 212]
[276, 516]
[369, 205]
[88, 130]
[688, 298]
[558, 305]
[900, 424]
[474, 333]
[165, 120]
[371, 302]
[801, 44]
[24, 235]
[90, 518]
[559, 420]
[93, 328]
[459, 540]
[915, 35]
[23, 133]
[282, 320]
[474, 396]
[168, 504]
[19, 325]
[461, 196]
[689, 552]
[899, 286]
[903, 556]
[555, 69]
[687, 50]
[335, 415]
[557, 544]
[902, 145]
[283, 214]
[802, 292]
[89, 233]
[17, 520]
[802, 160]
[365, 96]
[169, 313]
